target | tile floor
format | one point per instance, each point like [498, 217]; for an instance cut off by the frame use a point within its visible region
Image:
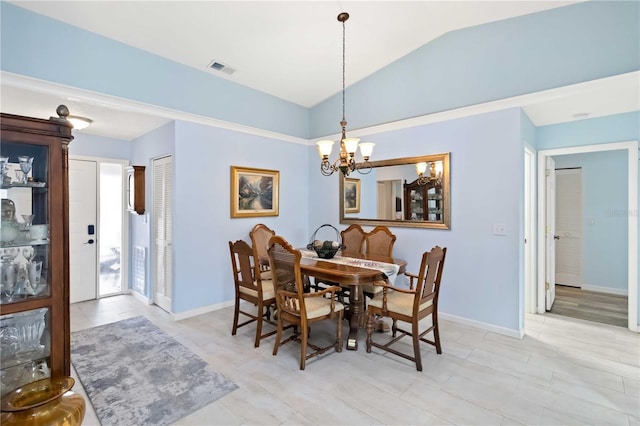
[563, 372]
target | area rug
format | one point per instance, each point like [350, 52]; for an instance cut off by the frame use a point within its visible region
[135, 374]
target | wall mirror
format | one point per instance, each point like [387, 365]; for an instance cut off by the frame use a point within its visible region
[410, 192]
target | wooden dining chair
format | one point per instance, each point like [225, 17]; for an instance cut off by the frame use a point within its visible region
[411, 305]
[252, 288]
[298, 308]
[353, 238]
[380, 241]
[260, 235]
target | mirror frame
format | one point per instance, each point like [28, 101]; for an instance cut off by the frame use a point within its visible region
[446, 221]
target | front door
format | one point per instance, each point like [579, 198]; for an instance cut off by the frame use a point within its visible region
[83, 244]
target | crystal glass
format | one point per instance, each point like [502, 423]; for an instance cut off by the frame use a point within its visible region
[26, 163]
[4, 168]
[28, 220]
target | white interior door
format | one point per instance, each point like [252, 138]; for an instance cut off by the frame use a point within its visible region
[569, 227]
[550, 233]
[83, 243]
[162, 191]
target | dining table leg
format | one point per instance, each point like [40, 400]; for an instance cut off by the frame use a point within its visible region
[356, 308]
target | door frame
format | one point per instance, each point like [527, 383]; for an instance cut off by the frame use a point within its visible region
[124, 257]
[530, 230]
[632, 219]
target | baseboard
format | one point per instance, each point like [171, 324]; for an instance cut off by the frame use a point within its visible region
[200, 311]
[141, 298]
[609, 290]
[518, 334]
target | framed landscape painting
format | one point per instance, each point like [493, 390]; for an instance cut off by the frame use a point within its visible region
[254, 192]
[351, 195]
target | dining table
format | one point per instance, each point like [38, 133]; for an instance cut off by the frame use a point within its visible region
[351, 270]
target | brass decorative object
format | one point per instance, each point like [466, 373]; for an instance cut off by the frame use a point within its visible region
[47, 402]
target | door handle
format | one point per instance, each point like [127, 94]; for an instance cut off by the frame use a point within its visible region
[556, 237]
[91, 241]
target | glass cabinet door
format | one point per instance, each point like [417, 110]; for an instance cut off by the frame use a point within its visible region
[24, 263]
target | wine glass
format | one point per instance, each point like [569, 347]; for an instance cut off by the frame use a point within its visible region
[28, 220]
[29, 253]
[26, 163]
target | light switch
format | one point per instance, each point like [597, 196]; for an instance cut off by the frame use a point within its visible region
[499, 229]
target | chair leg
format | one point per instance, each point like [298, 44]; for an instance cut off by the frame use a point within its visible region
[369, 331]
[436, 332]
[394, 328]
[236, 313]
[259, 325]
[416, 344]
[278, 337]
[303, 347]
[339, 332]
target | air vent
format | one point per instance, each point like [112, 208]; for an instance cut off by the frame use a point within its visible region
[219, 66]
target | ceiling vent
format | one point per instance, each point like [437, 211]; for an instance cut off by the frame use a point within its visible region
[219, 66]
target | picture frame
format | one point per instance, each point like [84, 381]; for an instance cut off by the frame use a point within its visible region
[254, 192]
[351, 195]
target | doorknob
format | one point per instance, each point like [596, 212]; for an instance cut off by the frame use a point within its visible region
[556, 237]
[90, 241]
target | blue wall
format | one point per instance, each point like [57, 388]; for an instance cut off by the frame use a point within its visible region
[604, 211]
[82, 59]
[544, 50]
[482, 278]
[483, 281]
[99, 146]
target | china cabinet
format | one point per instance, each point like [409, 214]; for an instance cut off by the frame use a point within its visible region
[422, 202]
[34, 249]
[135, 189]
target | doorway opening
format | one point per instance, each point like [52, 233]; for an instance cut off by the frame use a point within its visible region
[97, 238]
[110, 231]
[631, 215]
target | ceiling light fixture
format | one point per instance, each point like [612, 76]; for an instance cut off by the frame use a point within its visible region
[346, 162]
[79, 123]
[435, 173]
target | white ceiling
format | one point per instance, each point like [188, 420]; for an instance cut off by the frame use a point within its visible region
[271, 44]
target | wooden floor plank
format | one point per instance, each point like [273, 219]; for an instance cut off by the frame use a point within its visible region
[590, 305]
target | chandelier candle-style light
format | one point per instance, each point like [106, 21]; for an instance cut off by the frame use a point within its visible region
[435, 173]
[346, 162]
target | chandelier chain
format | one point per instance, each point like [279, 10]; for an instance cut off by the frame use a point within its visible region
[343, 68]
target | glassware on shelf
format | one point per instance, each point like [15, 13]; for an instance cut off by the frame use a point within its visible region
[4, 168]
[29, 327]
[26, 163]
[28, 220]
[8, 276]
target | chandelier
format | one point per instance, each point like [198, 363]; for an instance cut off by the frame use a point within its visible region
[435, 174]
[346, 162]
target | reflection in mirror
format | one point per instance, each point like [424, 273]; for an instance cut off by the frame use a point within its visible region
[412, 191]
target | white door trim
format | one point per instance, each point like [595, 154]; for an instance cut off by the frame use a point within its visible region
[124, 260]
[632, 217]
[529, 231]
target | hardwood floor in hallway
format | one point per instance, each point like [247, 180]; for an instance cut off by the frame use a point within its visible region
[591, 306]
[564, 371]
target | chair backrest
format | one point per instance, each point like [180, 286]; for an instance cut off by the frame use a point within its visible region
[244, 267]
[380, 241]
[260, 235]
[430, 274]
[284, 261]
[353, 238]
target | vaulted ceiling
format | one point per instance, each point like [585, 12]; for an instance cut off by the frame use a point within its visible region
[269, 44]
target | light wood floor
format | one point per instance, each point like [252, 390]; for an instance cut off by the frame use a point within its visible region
[591, 306]
[564, 371]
